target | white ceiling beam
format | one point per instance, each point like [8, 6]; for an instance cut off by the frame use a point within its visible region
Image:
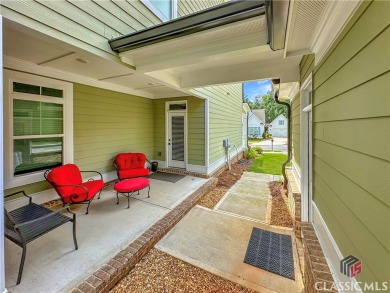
[21, 65]
[286, 69]
[202, 53]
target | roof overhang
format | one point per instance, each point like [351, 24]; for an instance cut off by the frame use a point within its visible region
[216, 16]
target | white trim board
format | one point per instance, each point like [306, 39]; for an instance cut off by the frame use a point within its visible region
[305, 89]
[297, 175]
[329, 246]
[214, 166]
[11, 76]
[197, 169]
[2, 269]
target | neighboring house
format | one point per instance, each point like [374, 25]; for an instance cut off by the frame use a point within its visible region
[74, 92]
[279, 126]
[256, 123]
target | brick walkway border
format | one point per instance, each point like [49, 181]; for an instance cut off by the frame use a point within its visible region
[316, 268]
[105, 278]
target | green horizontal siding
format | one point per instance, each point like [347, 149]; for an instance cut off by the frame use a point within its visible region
[92, 22]
[296, 130]
[186, 7]
[351, 129]
[195, 128]
[107, 123]
[225, 114]
[306, 66]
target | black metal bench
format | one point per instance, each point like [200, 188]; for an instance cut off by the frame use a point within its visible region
[32, 221]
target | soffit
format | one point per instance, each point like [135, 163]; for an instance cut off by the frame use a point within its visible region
[305, 15]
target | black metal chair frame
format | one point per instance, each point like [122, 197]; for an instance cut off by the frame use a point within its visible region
[129, 194]
[73, 197]
[32, 221]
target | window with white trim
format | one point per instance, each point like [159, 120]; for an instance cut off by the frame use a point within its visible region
[254, 131]
[39, 132]
[164, 9]
[281, 122]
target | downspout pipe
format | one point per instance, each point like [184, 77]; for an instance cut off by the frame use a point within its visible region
[289, 157]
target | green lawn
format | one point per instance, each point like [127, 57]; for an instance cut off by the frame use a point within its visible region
[268, 163]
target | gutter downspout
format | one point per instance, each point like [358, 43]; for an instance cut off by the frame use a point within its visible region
[247, 129]
[276, 97]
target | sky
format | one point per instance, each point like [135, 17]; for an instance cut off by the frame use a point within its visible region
[256, 88]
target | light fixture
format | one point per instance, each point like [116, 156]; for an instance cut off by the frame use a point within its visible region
[82, 60]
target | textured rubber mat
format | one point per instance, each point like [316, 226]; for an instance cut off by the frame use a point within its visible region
[271, 252]
[166, 177]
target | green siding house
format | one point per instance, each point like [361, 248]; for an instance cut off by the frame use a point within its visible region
[83, 81]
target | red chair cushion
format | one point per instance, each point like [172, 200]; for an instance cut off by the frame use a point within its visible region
[130, 185]
[93, 188]
[127, 161]
[132, 173]
[65, 175]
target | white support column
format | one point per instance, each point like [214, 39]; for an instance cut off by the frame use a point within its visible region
[207, 132]
[2, 273]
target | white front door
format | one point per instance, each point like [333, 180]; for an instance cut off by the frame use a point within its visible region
[177, 139]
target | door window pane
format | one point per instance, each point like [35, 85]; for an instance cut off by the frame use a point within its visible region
[26, 88]
[37, 118]
[177, 106]
[50, 92]
[36, 154]
[178, 138]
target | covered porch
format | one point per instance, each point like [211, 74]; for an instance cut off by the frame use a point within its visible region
[53, 265]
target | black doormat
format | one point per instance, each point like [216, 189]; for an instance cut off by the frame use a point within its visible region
[271, 252]
[166, 177]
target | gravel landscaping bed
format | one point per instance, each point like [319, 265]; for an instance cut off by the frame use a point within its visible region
[160, 272]
[226, 180]
[280, 215]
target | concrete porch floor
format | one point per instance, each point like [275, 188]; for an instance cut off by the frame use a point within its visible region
[52, 264]
[216, 240]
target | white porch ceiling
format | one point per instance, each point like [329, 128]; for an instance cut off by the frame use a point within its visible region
[232, 53]
[47, 54]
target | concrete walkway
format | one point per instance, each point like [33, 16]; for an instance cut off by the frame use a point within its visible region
[216, 240]
[279, 144]
[52, 264]
[249, 197]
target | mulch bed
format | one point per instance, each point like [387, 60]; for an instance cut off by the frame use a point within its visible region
[280, 216]
[160, 272]
[226, 180]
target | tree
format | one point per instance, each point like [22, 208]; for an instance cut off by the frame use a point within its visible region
[267, 102]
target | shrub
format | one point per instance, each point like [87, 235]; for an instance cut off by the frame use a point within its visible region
[250, 154]
[264, 135]
[269, 135]
[258, 150]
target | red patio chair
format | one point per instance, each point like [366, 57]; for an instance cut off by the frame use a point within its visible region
[69, 185]
[130, 165]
